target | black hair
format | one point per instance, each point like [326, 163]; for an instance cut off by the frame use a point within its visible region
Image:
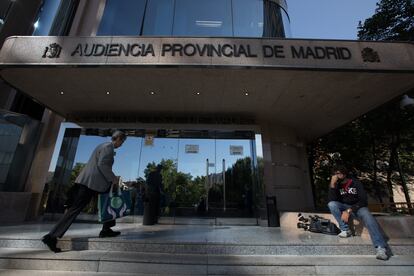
[340, 168]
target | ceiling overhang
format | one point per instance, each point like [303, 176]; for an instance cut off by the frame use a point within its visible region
[311, 86]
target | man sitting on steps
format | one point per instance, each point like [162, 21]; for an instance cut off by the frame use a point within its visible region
[347, 197]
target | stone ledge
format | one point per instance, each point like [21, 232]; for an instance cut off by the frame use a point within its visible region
[393, 226]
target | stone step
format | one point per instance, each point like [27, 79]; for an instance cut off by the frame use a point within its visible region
[32, 261]
[333, 245]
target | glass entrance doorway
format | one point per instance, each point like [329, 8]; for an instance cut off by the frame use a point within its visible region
[204, 173]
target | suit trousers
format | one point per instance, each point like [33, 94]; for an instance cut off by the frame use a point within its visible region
[83, 196]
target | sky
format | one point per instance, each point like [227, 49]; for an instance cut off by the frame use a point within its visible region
[328, 19]
[315, 19]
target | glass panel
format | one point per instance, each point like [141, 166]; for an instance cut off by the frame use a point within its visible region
[203, 18]
[159, 17]
[9, 139]
[193, 158]
[75, 152]
[236, 193]
[160, 151]
[126, 157]
[122, 17]
[47, 14]
[5, 6]
[62, 179]
[286, 23]
[273, 23]
[248, 18]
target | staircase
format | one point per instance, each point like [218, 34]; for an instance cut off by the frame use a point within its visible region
[197, 250]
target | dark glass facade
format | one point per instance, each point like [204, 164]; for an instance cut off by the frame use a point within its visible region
[55, 17]
[195, 18]
[5, 6]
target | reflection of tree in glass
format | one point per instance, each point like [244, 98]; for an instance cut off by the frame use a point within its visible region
[178, 188]
[244, 186]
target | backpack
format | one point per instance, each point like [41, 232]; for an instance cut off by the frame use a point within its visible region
[317, 224]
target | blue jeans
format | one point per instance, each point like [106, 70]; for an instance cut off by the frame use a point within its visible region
[363, 214]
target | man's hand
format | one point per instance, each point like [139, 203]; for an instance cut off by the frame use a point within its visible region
[334, 179]
[345, 216]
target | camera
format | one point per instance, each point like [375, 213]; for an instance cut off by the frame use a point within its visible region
[317, 224]
[303, 222]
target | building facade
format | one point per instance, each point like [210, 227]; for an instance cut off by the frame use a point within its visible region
[201, 87]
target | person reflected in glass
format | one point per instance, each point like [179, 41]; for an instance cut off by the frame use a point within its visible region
[96, 177]
[154, 186]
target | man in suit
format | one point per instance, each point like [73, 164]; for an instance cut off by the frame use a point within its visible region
[96, 177]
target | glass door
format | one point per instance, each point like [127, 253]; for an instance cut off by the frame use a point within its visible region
[196, 161]
[235, 196]
[161, 152]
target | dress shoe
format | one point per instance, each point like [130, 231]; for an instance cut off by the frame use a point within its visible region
[107, 233]
[51, 243]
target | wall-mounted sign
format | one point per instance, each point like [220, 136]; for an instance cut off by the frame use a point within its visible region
[236, 150]
[191, 148]
[206, 51]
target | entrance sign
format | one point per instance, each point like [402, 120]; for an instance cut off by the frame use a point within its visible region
[283, 53]
[236, 150]
[191, 148]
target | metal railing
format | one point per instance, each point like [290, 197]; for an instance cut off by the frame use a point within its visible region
[392, 207]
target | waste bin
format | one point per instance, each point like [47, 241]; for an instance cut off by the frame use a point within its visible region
[272, 212]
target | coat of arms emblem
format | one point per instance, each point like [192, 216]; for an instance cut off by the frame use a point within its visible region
[52, 51]
[369, 55]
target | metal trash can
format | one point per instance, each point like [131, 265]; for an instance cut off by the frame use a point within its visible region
[273, 219]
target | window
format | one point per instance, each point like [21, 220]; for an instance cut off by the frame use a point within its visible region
[203, 18]
[159, 17]
[122, 17]
[194, 18]
[5, 6]
[55, 17]
[248, 18]
[45, 18]
[273, 21]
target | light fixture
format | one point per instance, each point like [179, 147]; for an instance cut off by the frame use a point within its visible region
[198, 93]
[246, 93]
[406, 101]
[209, 23]
[107, 93]
[152, 93]
[61, 93]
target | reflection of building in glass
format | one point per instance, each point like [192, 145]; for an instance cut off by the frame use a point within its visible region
[195, 18]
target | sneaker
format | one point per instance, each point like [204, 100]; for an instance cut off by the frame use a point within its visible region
[345, 234]
[109, 233]
[51, 243]
[381, 253]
